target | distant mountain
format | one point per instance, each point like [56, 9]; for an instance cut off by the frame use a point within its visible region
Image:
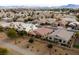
[70, 6]
[39, 7]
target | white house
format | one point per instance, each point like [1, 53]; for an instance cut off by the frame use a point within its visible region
[61, 36]
[74, 25]
[19, 26]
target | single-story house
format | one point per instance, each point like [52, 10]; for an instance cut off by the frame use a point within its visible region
[24, 26]
[74, 25]
[20, 20]
[68, 19]
[4, 24]
[41, 32]
[61, 36]
[7, 19]
[45, 20]
[19, 26]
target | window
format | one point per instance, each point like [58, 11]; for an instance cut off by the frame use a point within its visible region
[64, 41]
[70, 40]
[60, 40]
[56, 35]
[50, 38]
[55, 39]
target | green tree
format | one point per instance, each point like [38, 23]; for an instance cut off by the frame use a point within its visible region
[77, 34]
[1, 28]
[0, 18]
[77, 17]
[3, 51]
[31, 40]
[30, 19]
[26, 20]
[12, 33]
[50, 47]
[22, 33]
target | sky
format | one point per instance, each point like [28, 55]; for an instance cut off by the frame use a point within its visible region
[48, 3]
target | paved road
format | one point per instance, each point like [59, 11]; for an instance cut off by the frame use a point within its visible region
[16, 48]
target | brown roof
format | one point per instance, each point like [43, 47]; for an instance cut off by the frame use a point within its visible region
[32, 33]
[41, 31]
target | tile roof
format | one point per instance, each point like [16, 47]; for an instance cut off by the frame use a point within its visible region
[63, 33]
[42, 31]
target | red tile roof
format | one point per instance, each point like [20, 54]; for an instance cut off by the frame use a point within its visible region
[41, 31]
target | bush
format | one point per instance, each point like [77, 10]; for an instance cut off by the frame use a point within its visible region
[1, 29]
[77, 34]
[76, 46]
[3, 51]
[77, 17]
[12, 33]
[49, 46]
[25, 20]
[31, 40]
[22, 33]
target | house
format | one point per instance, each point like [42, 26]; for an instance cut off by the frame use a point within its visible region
[62, 23]
[74, 25]
[61, 36]
[69, 19]
[23, 26]
[20, 19]
[4, 24]
[45, 20]
[20, 26]
[7, 19]
[41, 32]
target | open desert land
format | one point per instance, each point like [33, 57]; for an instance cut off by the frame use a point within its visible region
[37, 47]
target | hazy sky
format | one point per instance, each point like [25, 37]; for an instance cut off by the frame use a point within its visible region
[37, 2]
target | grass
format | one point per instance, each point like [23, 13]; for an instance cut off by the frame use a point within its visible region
[76, 46]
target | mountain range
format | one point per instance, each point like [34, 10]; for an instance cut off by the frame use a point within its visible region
[37, 7]
[70, 6]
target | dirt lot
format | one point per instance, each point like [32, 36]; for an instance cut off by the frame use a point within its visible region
[39, 47]
[10, 52]
[2, 36]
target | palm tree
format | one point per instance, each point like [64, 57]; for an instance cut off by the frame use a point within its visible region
[50, 47]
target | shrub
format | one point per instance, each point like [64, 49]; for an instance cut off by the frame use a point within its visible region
[12, 33]
[3, 51]
[31, 40]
